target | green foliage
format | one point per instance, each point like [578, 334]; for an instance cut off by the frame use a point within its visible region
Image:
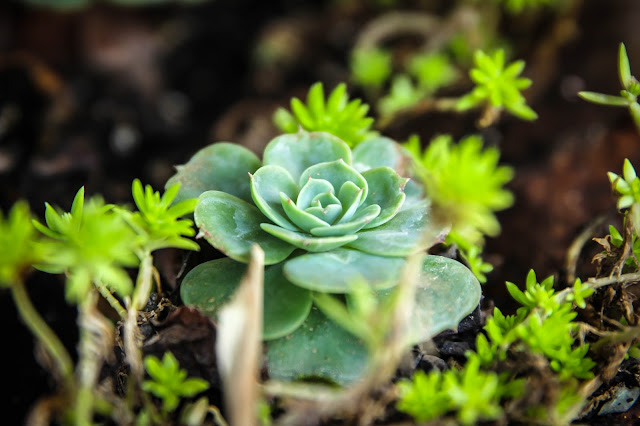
[432, 71]
[169, 382]
[474, 395]
[158, 221]
[497, 85]
[19, 246]
[544, 325]
[470, 253]
[629, 93]
[345, 215]
[465, 180]
[337, 115]
[92, 243]
[518, 6]
[371, 67]
[626, 186]
[403, 94]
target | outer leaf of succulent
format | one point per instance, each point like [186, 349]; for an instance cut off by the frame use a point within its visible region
[371, 67]
[497, 85]
[92, 243]
[466, 181]
[337, 115]
[629, 93]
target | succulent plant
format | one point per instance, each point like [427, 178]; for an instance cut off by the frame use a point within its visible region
[326, 217]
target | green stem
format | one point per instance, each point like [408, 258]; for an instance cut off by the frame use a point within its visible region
[115, 303]
[89, 362]
[143, 283]
[43, 333]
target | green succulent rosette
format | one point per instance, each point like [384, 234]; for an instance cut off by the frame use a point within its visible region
[325, 217]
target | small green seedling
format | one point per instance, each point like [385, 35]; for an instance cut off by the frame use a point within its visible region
[344, 118]
[628, 95]
[169, 382]
[371, 68]
[93, 244]
[159, 219]
[475, 395]
[403, 94]
[497, 85]
[543, 325]
[432, 71]
[465, 180]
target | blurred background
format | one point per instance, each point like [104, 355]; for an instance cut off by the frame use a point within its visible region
[97, 93]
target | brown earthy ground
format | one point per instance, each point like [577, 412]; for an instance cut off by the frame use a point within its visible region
[102, 96]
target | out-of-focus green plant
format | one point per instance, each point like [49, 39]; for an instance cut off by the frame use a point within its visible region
[432, 71]
[92, 244]
[169, 382]
[403, 94]
[518, 6]
[337, 115]
[497, 85]
[371, 67]
[629, 93]
[466, 181]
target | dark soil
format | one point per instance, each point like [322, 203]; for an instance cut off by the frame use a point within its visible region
[105, 95]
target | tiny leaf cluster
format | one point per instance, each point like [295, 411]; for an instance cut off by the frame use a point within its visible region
[169, 382]
[628, 95]
[466, 181]
[475, 395]
[344, 118]
[498, 85]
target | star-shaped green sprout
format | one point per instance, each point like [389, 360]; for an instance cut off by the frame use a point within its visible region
[629, 93]
[169, 382]
[497, 85]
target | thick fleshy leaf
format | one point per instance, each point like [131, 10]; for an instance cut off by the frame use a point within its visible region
[377, 152]
[299, 151]
[386, 189]
[357, 222]
[317, 349]
[336, 270]
[222, 166]
[286, 305]
[446, 292]
[232, 225]
[402, 235]
[350, 197]
[337, 173]
[329, 214]
[211, 285]
[310, 190]
[266, 186]
[306, 241]
[305, 221]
